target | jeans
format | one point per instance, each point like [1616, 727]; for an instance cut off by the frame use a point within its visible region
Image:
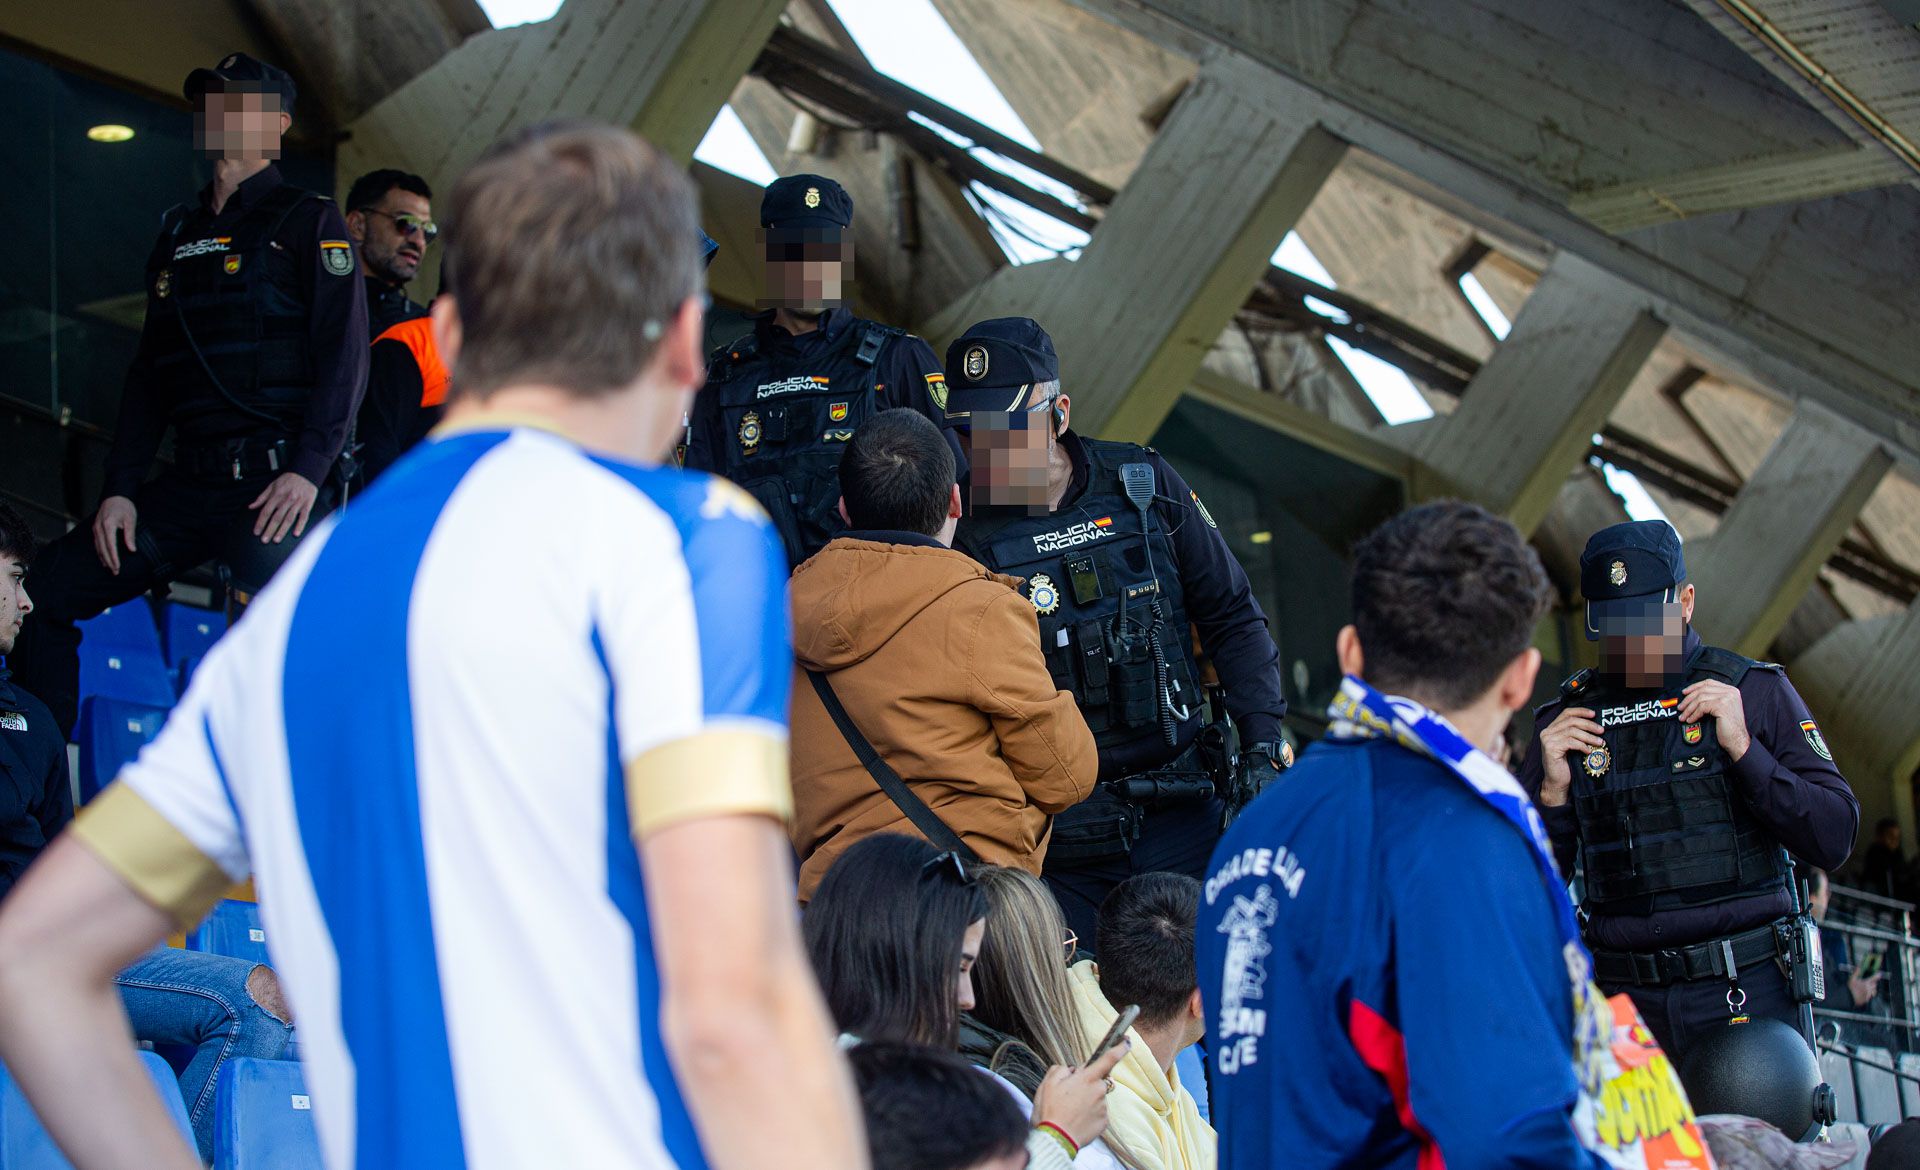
[200, 1001]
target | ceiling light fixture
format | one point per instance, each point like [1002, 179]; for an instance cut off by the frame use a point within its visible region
[110, 132]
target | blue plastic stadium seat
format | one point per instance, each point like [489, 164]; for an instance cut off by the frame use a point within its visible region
[233, 929]
[191, 632]
[120, 657]
[25, 1144]
[262, 1118]
[111, 733]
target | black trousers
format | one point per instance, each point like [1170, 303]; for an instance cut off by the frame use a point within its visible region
[182, 522]
[1178, 837]
[1682, 1013]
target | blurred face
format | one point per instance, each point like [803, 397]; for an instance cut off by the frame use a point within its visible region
[1889, 836]
[239, 123]
[1009, 453]
[1647, 648]
[393, 235]
[1817, 901]
[15, 605]
[807, 274]
[969, 955]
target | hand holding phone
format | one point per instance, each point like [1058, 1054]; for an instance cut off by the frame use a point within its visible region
[1115, 1034]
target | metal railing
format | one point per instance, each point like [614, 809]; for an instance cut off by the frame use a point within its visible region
[1870, 925]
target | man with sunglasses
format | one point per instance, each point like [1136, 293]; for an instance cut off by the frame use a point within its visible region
[782, 402]
[1685, 779]
[390, 217]
[1120, 559]
[253, 353]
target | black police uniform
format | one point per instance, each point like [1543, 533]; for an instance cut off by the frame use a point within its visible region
[778, 409]
[36, 801]
[254, 353]
[1686, 853]
[1115, 589]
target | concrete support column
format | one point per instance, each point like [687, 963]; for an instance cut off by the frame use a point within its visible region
[1175, 257]
[663, 67]
[1530, 414]
[1786, 521]
[1861, 685]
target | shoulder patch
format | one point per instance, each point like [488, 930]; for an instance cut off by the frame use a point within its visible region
[1201, 508]
[1815, 740]
[336, 256]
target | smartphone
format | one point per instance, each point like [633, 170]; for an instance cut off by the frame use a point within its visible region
[1869, 966]
[1115, 1034]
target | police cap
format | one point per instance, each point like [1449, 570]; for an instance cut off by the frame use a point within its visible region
[240, 71]
[805, 203]
[996, 364]
[1626, 570]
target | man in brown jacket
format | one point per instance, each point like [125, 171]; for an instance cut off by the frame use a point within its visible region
[936, 660]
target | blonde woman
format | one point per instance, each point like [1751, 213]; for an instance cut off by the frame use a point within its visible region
[1023, 1019]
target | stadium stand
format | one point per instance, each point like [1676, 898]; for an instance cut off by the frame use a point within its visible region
[263, 1119]
[120, 657]
[24, 1143]
[111, 731]
[190, 633]
[233, 929]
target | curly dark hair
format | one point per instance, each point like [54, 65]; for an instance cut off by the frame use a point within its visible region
[1444, 597]
[16, 539]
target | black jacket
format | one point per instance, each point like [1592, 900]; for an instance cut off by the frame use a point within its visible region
[36, 801]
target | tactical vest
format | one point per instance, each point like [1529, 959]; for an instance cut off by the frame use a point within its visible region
[1113, 617]
[215, 293]
[784, 426]
[1662, 825]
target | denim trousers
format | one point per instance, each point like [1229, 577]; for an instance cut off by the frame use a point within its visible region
[198, 1002]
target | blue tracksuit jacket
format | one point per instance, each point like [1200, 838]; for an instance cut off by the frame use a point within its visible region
[1383, 977]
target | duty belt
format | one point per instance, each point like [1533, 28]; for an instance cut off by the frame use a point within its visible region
[1707, 960]
[235, 459]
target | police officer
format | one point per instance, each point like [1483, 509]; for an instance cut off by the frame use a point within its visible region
[254, 353]
[781, 402]
[1685, 779]
[1119, 557]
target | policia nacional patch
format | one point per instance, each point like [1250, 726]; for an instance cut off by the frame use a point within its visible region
[336, 256]
[1201, 508]
[1815, 740]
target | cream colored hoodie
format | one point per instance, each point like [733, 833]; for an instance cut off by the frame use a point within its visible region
[1150, 1115]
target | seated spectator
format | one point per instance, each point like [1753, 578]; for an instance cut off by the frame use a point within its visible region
[937, 663]
[1847, 989]
[1023, 1018]
[893, 933]
[1390, 962]
[218, 1006]
[36, 799]
[927, 1110]
[1145, 946]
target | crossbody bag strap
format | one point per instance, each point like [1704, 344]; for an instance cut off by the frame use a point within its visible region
[903, 797]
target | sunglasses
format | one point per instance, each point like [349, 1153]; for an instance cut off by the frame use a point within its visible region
[408, 224]
[951, 864]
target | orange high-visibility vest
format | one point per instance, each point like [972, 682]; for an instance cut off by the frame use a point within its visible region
[417, 335]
